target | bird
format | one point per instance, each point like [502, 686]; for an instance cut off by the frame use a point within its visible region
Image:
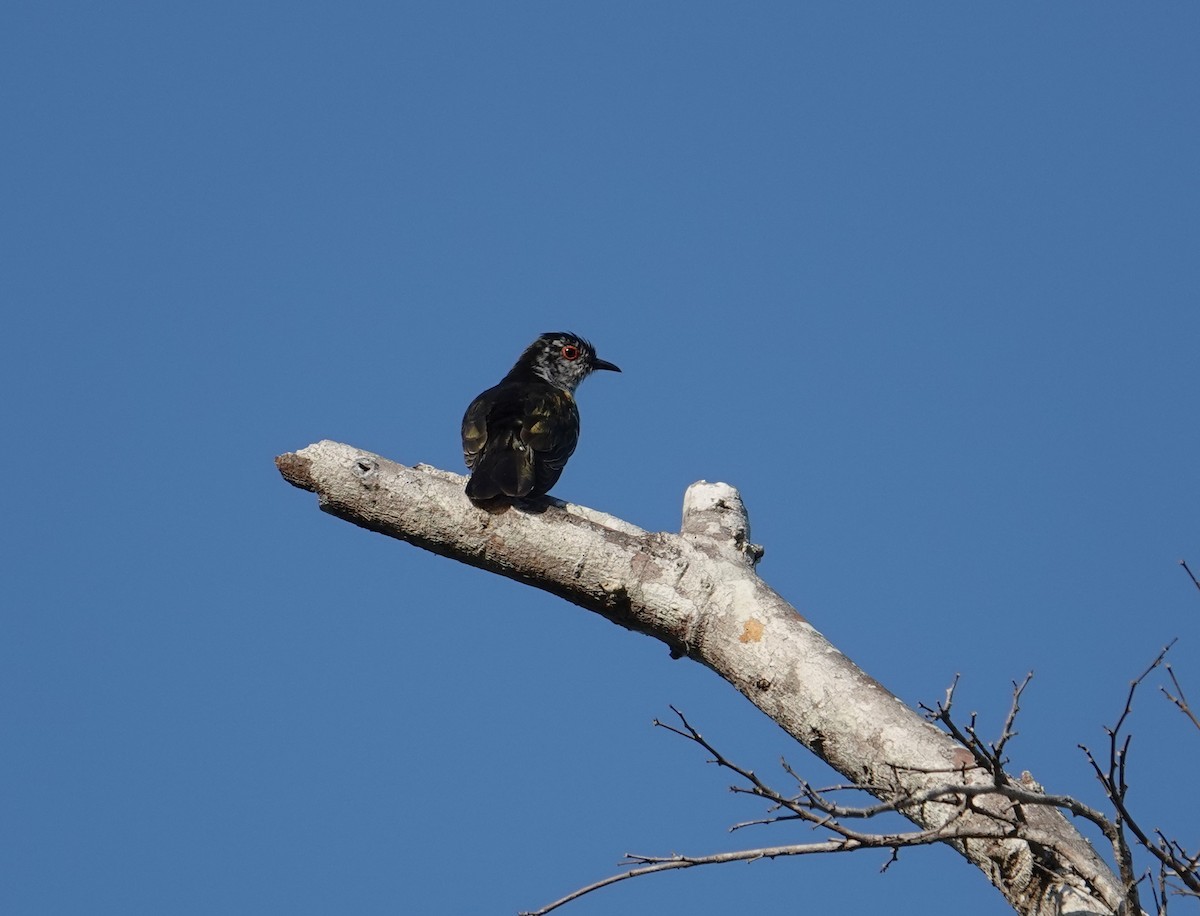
[518, 435]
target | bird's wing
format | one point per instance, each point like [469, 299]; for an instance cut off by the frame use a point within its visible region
[474, 428]
[550, 425]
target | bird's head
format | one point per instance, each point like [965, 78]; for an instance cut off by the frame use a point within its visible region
[562, 359]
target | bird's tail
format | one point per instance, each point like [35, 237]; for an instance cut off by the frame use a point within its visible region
[505, 467]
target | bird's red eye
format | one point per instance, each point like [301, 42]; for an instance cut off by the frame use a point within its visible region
[570, 352]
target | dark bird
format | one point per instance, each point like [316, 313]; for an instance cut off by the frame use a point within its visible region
[518, 436]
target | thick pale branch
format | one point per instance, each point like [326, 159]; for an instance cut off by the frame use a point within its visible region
[698, 592]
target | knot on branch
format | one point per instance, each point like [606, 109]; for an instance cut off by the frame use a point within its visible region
[366, 469]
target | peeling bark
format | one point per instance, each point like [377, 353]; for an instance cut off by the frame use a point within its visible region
[697, 592]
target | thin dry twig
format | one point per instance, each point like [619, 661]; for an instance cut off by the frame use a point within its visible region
[1178, 698]
[656, 864]
[1188, 570]
[989, 756]
[1178, 864]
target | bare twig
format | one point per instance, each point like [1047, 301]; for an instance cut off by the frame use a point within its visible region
[1178, 698]
[1113, 778]
[669, 863]
[989, 756]
[814, 807]
[1010, 731]
[1188, 570]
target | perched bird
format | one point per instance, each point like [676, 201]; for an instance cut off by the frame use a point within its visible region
[518, 436]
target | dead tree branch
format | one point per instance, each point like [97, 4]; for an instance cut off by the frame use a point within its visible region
[1175, 863]
[697, 592]
[819, 809]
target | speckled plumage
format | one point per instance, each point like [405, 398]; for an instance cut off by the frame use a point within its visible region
[518, 435]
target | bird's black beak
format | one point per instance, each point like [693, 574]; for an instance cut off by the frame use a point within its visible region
[605, 364]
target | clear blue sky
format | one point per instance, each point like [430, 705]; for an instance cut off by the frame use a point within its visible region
[921, 280]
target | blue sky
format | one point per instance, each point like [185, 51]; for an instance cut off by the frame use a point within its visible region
[921, 280]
